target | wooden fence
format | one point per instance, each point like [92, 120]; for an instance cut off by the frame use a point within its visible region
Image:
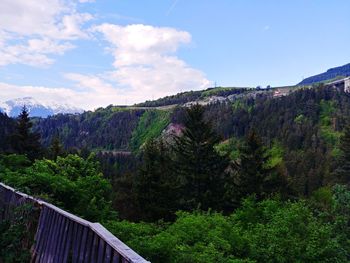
[63, 237]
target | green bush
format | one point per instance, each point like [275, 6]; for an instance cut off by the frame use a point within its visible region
[17, 235]
[150, 126]
[267, 231]
[73, 183]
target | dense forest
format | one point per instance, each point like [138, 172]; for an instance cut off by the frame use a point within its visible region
[184, 97]
[302, 131]
[256, 178]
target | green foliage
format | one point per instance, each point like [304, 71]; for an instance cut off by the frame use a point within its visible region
[155, 186]
[14, 162]
[276, 153]
[24, 140]
[229, 148]
[106, 128]
[17, 235]
[72, 182]
[150, 126]
[223, 91]
[342, 171]
[330, 136]
[55, 149]
[322, 199]
[201, 171]
[299, 119]
[292, 233]
[238, 105]
[254, 168]
[267, 231]
[307, 123]
[341, 216]
[179, 98]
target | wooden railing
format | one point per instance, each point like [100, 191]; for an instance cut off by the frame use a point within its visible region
[64, 237]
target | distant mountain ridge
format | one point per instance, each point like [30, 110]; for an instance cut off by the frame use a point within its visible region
[342, 71]
[36, 109]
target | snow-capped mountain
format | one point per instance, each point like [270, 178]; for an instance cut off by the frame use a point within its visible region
[36, 109]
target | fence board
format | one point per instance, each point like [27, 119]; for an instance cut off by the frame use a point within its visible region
[62, 237]
[68, 242]
[88, 249]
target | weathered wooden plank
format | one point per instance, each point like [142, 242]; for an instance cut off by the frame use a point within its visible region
[6, 203]
[9, 197]
[115, 243]
[39, 233]
[89, 246]
[68, 244]
[68, 215]
[45, 237]
[108, 254]
[60, 233]
[48, 247]
[101, 251]
[94, 249]
[75, 244]
[54, 237]
[83, 244]
[53, 240]
[39, 239]
[58, 239]
[61, 240]
[116, 257]
[2, 203]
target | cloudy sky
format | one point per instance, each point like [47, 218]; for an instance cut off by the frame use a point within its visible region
[94, 53]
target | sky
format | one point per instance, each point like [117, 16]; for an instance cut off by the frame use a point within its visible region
[95, 53]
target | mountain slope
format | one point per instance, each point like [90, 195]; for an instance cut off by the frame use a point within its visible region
[302, 128]
[36, 109]
[342, 71]
[122, 128]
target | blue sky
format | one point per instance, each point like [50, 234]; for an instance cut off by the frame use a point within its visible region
[95, 53]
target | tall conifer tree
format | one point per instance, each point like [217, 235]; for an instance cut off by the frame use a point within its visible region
[23, 140]
[342, 171]
[201, 170]
[253, 174]
[56, 148]
[154, 186]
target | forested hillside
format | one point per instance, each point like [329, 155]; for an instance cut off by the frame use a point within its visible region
[182, 98]
[120, 128]
[342, 71]
[109, 129]
[302, 130]
[257, 179]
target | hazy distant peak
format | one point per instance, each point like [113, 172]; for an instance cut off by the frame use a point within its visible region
[36, 108]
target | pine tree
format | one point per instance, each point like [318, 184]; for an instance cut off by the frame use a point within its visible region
[342, 172]
[253, 174]
[56, 148]
[200, 169]
[23, 140]
[154, 186]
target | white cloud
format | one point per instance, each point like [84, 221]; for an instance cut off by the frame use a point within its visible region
[31, 30]
[33, 52]
[145, 64]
